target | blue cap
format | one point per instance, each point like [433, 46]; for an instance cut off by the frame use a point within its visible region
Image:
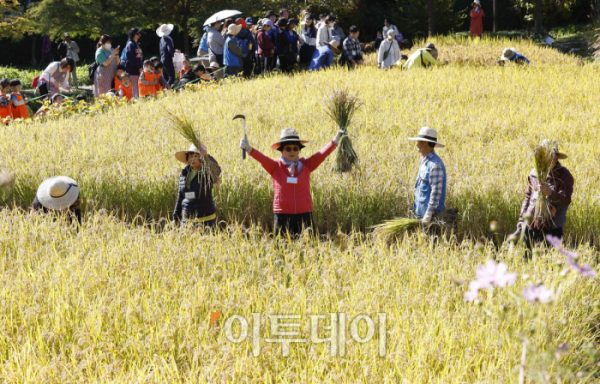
[249, 21]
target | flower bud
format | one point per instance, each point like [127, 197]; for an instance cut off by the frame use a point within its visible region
[479, 246]
[494, 226]
[513, 238]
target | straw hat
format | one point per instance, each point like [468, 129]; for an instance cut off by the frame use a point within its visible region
[164, 30]
[234, 29]
[288, 135]
[508, 53]
[334, 44]
[181, 155]
[429, 135]
[554, 145]
[58, 192]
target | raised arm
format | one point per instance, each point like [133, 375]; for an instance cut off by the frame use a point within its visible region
[315, 160]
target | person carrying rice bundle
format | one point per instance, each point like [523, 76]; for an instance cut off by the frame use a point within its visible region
[430, 186]
[557, 189]
[195, 203]
[292, 204]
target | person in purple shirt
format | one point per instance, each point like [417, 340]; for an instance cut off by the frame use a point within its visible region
[46, 52]
[323, 56]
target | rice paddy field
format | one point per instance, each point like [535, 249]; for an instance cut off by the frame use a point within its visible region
[129, 298]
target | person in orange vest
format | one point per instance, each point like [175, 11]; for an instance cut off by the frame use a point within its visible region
[162, 83]
[116, 83]
[5, 109]
[148, 80]
[17, 102]
[125, 88]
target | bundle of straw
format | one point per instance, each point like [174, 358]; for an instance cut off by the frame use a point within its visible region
[392, 228]
[542, 160]
[341, 106]
[185, 127]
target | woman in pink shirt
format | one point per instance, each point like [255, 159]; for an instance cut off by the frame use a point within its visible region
[292, 204]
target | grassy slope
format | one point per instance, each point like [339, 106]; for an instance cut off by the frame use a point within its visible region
[125, 303]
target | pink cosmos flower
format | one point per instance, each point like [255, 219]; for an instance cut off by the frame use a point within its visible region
[490, 275]
[584, 270]
[537, 293]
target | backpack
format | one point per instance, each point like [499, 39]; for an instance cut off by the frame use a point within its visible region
[245, 45]
[92, 70]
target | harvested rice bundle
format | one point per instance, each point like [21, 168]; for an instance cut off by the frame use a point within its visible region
[183, 124]
[341, 106]
[542, 160]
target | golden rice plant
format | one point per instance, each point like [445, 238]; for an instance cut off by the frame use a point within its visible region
[183, 124]
[390, 229]
[542, 161]
[341, 107]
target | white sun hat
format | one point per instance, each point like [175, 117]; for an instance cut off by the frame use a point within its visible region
[58, 192]
[508, 53]
[234, 29]
[164, 30]
[427, 134]
[181, 155]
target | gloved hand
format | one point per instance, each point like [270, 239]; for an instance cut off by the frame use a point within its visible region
[338, 136]
[244, 144]
[427, 219]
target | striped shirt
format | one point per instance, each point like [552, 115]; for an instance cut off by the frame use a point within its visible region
[436, 180]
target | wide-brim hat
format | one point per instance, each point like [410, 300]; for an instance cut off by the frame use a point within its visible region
[554, 145]
[429, 135]
[288, 135]
[476, 2]
[58, 192]
[234, 29]
[508, 53]
[181, 155]
[164, 30]
[333, 44]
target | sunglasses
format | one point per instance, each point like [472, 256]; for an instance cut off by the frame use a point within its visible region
[291, 149]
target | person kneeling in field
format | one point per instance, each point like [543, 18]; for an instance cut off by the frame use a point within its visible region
[511, 54]
[557, 189]
[58, 194]
[194, 199]
[423, 58]
[323, 56]
[55, 102]
[292, 204]
[430, 187]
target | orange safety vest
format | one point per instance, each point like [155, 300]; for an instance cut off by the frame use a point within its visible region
[21, 110]
[6, 112]
[117, 83]
[146, 90]
[159, 86]
[127, 91]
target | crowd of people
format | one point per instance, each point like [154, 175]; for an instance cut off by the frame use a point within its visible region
[228, 47]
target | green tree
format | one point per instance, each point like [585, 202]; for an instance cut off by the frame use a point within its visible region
[87, 17]
[182, 13]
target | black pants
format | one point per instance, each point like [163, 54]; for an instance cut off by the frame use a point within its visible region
[43, 89]
[293, 223]
[247, 67]
[532, 237]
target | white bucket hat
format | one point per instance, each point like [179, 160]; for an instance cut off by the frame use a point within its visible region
[164, 30]
[288, 135]
[334, 44]
[181, 155]
[508, 53]
[234, 29]
[58, 192]
[428, 134]
[391, 32]
[477, 3]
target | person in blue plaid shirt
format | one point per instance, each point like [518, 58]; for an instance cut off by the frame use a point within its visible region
[352, 53]
[430, 187]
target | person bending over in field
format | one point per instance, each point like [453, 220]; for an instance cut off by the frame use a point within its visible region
[423, 58]
[557, 189]
[292, 204]
[59, 194]
[430, 187]
[55, 102]
[511, 55]
[195, 204]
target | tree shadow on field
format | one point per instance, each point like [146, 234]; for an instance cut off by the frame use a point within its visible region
[249, 204]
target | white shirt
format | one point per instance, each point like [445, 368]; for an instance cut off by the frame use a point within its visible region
[323, 35]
